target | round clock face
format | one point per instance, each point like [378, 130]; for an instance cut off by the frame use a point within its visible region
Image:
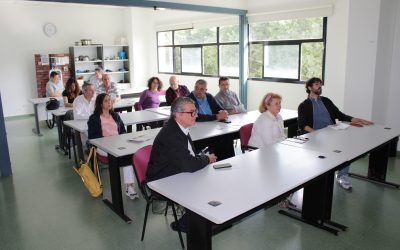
[49, 29]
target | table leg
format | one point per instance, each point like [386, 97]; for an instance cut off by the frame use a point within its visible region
[198, 232]
[36, 130]
[60, 134]
[79, 146]
[378, 160]
[116, 203]
[317, 205]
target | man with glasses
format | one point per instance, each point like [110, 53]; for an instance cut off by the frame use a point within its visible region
[228, 99]
[207, 106]
[173, 151]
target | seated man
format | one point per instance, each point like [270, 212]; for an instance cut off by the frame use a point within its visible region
[83, 105]
[108, 87]
[54, 87]
[317, 112]
[173, 150]
[228, 99]
[175, 90]
[207, 106]
[96, 79]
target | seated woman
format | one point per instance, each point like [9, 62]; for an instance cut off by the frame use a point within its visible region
[268, 128]
[149, 98]
[104, 122]
[72, 91]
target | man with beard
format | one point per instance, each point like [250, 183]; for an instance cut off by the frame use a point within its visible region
[317, 112]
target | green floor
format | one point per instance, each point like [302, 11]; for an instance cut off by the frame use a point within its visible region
[45, 206]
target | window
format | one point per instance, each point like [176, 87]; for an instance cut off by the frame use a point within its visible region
[203, 52]
[287, 50]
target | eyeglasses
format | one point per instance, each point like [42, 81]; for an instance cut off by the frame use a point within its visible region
[192, 113]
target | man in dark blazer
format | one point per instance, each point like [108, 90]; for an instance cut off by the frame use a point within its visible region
[317, 112]
[173, 151]
[207, 106]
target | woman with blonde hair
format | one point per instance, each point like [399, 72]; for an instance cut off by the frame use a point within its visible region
[268, 128]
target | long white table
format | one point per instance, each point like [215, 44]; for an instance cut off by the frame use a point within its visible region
[40, 111]
[129, 119]
[119, 146]
[256, 180]
[353, 143]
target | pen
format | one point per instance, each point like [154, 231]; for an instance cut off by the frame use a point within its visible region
[204, 150]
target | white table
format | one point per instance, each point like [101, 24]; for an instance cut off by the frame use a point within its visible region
[119, 148]
[40, 111]
[59, 115]
[129, 119]
[166, 110]
[256, 180]
[353, 143]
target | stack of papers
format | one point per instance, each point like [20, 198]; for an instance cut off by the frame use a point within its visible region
[142, 138]
[340, 126]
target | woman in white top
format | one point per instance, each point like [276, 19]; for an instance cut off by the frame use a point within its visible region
[268, 128]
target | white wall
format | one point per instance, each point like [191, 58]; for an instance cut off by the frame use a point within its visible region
[361, 57]
[21, 32]
[393, 100]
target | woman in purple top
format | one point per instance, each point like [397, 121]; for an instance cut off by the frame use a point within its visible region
[149, 97]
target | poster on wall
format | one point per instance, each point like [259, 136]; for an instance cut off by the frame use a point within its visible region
[44, 60]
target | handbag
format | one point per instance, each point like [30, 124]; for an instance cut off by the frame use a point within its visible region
[52, 104]
[89, 179]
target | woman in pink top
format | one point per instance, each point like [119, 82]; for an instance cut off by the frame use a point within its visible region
[149, 97]
[104, 122]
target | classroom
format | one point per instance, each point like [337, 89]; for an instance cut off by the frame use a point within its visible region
[351, 47]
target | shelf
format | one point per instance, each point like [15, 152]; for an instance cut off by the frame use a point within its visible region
[116, 72]
[83, 62]
[115, 45]
[117, 60]
[86, 46]
[81, 74]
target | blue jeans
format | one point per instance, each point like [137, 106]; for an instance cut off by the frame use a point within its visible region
[343, 171]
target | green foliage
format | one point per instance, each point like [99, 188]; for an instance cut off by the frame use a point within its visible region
[256, 60]
[229, 34]
[210, 60]
[295, 29]
[311, 60]
[178, 63]
[196, 36]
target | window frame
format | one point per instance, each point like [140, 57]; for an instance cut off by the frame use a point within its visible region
[297, 42]
[194, 45]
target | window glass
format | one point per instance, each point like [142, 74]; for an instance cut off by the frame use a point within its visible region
[281, 61]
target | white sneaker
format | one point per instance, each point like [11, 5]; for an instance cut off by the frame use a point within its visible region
[344, 183]
[131, 193]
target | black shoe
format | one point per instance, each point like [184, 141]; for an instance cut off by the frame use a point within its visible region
[174, 226]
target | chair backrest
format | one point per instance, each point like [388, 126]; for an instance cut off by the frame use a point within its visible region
[245, 134]
[140, 161]
[137, 106]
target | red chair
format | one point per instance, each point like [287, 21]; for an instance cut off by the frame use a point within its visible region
[140, 162]
[245, 134]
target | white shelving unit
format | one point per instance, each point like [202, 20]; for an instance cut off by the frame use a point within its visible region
[113, 59]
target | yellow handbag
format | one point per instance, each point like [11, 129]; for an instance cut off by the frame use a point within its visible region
[91, 181]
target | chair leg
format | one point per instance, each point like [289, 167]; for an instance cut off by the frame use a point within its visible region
[145, 219]
[166, 209]
[177, 223]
